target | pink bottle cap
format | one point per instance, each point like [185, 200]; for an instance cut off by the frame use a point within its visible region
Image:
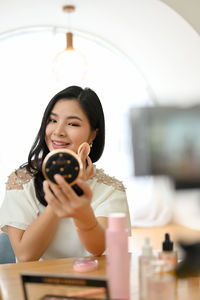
[117, 221]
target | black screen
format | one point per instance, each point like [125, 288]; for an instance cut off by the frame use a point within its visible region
[166, 141]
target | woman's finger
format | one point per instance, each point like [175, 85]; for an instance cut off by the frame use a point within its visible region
[74, 199]
[47, 191]
[90, 169]
[85, 188]
[51, 199]
[65, 190]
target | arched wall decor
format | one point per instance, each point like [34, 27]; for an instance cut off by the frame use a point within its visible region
[28, 85]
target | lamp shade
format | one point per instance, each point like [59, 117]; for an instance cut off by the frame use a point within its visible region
[69, 65]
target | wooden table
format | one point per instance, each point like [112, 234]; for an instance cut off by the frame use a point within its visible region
[10, 281]
[11, 287]
[156, 234]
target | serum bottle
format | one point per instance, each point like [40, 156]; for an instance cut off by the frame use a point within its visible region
[144, 264]
[160, 283]
[168, 253]
[117, 257]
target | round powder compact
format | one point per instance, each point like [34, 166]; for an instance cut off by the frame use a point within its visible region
[66, 163]
[85, 264]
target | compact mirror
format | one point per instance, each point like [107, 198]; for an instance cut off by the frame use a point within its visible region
[66, 163]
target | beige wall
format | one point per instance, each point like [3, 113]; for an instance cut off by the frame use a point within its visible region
[188, 9]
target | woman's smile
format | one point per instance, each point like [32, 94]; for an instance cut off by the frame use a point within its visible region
[59, 144]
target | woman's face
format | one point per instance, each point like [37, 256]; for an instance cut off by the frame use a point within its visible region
[68, 126]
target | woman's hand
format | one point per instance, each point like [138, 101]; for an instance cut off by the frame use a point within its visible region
[64, 201]
[88, 169]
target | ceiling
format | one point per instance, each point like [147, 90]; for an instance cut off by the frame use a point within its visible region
[160, 37]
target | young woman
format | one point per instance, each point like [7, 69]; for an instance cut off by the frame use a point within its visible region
[44, 221]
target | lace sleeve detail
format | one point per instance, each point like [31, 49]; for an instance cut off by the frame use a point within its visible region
[108, 180]
[17, 179]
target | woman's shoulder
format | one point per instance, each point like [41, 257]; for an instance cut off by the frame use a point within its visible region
[108, 180]
[18, 178]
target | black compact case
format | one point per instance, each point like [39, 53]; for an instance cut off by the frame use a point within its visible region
[66, 163]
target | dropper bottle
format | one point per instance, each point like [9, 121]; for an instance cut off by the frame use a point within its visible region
[167, 252]
[144, 263]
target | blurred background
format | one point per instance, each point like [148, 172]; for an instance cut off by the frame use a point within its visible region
[131, 52]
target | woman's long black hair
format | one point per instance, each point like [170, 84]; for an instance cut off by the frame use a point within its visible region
[92, 107]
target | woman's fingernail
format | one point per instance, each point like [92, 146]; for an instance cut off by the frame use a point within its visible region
[45, 183]
[57, 176]
[79, 180]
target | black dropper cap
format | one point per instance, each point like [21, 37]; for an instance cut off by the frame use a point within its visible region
[167, 245]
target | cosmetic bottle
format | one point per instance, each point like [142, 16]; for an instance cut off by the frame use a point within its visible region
[117, 257]
[168, 253]
[160, 283]
[144, 263]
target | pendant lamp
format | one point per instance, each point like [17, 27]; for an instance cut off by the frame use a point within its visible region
[69, 65]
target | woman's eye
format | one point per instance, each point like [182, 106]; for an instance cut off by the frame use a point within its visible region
[52, 121]
[73, 124]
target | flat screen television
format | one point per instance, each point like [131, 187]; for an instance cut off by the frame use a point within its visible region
[166, 141]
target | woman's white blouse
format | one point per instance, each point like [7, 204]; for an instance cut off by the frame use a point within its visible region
[21, 207]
